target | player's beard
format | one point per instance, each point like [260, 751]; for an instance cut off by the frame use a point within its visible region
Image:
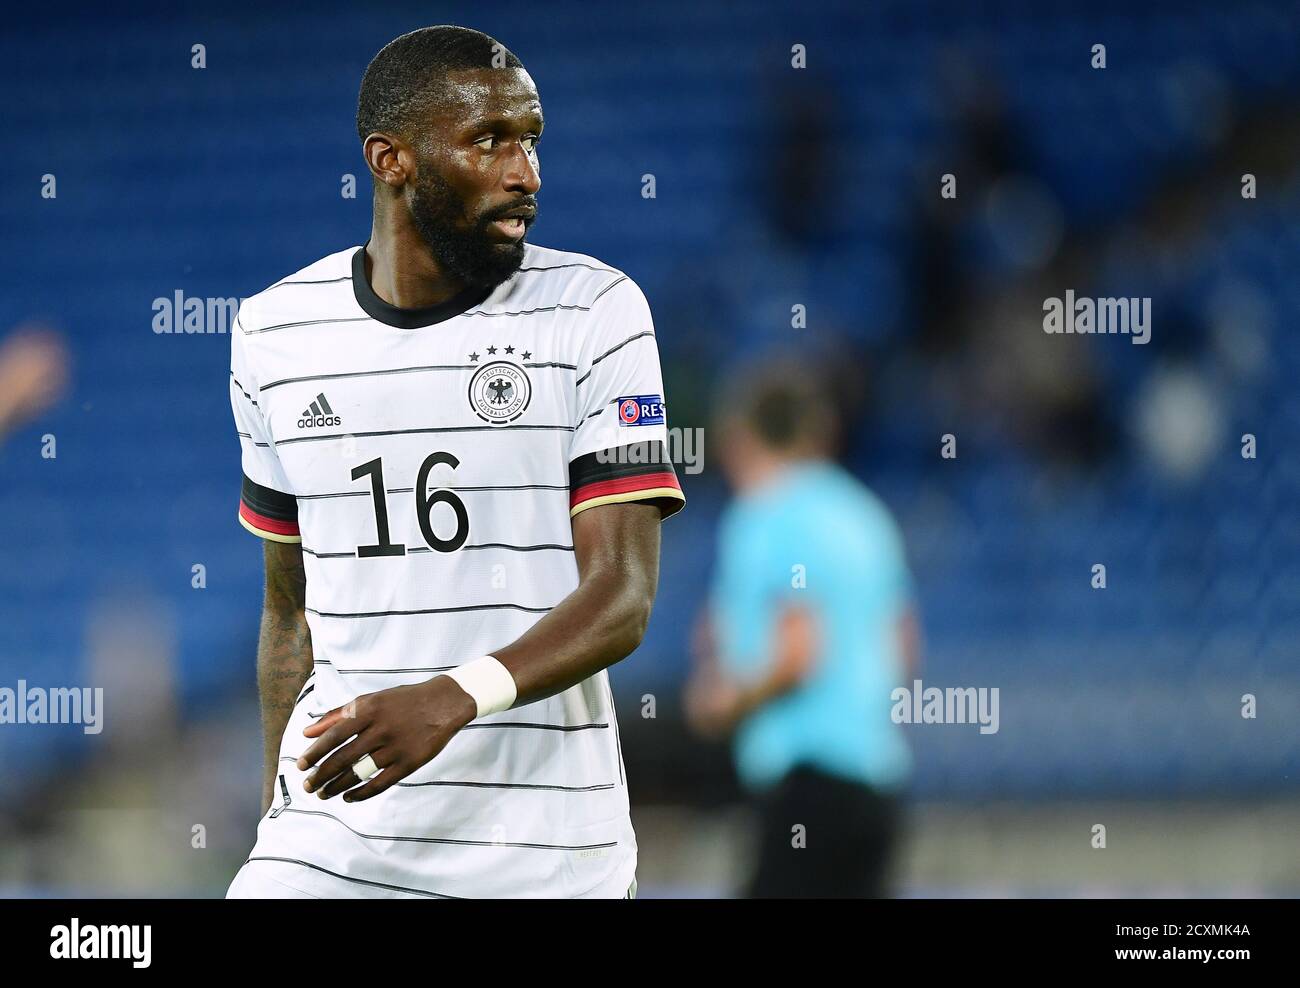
[472, 255]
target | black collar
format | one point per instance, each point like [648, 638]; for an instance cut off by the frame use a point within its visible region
[391, 315]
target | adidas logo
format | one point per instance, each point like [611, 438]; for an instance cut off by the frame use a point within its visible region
[318, 414]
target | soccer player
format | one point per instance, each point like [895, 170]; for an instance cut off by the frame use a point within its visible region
[454, 446]
[811, 629]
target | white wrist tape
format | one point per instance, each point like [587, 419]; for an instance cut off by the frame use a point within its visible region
[488, 682]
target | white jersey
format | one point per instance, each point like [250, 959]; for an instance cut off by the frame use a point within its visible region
[430, 461]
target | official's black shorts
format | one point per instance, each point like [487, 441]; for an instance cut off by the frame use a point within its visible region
[850, 832]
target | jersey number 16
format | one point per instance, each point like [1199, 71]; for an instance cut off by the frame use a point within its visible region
[424, 503]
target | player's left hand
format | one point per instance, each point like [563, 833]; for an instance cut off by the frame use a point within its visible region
[400, 728]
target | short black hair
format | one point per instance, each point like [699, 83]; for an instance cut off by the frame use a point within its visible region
[409, 74]
[786, 403]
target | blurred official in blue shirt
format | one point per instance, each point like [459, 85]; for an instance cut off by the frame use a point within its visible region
[809, 629]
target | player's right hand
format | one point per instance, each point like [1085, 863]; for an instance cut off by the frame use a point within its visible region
[402, 729]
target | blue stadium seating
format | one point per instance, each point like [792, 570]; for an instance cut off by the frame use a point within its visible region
[219, 181]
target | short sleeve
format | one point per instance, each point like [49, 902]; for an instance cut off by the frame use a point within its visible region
[620, 446]
[889, 558]
[267, 508]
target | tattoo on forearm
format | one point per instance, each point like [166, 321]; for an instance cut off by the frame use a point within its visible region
[284, 652]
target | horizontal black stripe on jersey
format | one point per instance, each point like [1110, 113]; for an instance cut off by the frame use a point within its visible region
[353, 879]
[411, 490]
[570, 264]
[552, 308]
[393, 672]
[413, 432]
[501, 545]
[322, 281]
[588, 307]
[388, 672]
[600, 410]
[505, 725]
[614, 349]
[429, 610]
[268, 502]
[509, 725]
[526, 726]
[537, 787]
[307, 322]
[558, 306]
[333, 555]
[459, 841]
[589, 469]
[417, 318]
[424, 548]
[405, 370]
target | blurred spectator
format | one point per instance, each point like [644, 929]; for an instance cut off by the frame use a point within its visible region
[811, 611]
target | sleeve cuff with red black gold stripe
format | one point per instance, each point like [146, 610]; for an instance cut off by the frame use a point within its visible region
[268, 513]
[638, 472]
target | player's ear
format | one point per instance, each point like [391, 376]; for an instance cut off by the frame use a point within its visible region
[391, 160]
